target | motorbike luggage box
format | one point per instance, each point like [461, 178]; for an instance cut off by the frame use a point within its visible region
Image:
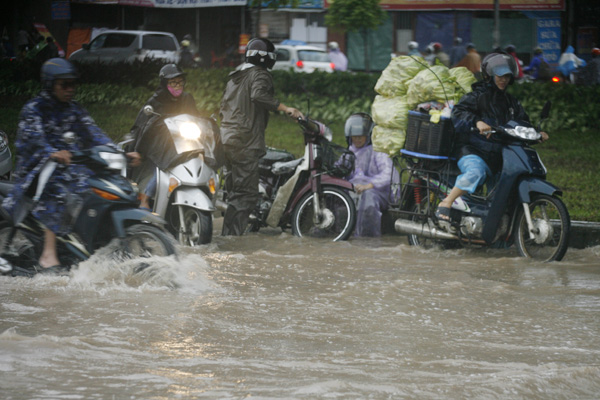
[273, 155]
[426, 137]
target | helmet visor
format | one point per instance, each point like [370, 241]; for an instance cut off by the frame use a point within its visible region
[262, 53]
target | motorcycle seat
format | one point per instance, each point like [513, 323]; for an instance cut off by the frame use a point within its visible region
[282, 168]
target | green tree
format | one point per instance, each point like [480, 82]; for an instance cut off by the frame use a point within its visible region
[356, 16]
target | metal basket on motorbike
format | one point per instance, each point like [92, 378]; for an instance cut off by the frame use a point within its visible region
[426, 137]
[337, 161]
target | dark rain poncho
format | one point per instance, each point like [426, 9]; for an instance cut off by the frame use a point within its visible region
[247, 100]
[151, 136]
[489, 104]
[42, 123]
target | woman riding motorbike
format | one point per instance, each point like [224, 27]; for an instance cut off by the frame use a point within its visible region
[473, 117]
[155, 147]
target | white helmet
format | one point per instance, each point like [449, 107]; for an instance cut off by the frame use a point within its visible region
[413, 45]
[334, 45]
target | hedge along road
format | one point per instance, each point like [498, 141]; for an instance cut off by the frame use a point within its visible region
[270, 315]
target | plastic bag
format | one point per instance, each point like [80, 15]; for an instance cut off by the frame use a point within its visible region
[388, 140]
[390, 112]
[395, 77]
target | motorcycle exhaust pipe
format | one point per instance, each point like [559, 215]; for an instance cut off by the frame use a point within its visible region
[415, 228]
[221, 205]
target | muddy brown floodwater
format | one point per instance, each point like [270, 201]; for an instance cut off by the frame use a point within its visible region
[272, 316]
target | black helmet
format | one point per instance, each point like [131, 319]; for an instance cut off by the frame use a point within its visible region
[261, 52]
[510, 48]
[169, 71]
[57, 68]
[498, 64]
[358, 124]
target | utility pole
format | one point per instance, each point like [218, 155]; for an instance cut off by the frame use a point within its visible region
[496, 34]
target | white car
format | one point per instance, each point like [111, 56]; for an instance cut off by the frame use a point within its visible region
[129, 46]
[302, 58]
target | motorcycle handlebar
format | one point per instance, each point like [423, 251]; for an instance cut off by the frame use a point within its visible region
[309, 125]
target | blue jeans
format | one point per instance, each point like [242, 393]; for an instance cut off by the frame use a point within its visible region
[150, 190]
[474, 173]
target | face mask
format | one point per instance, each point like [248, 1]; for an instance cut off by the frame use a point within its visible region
[175, 92]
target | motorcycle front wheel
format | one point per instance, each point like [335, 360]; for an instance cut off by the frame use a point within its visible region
[143, 240]
[340, 213]
[22, 253]
[198, 225]
[551, 229]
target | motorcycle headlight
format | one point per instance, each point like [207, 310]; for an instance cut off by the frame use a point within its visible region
[116, 161]
[524, 132]
[189, 130]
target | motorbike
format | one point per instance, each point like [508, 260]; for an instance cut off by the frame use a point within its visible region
[187, 184]
[521, 208]
[108, 211]
[309, 193]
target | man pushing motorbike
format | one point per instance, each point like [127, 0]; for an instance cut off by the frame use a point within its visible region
[247, 100]
[479, 157]
[51, 127]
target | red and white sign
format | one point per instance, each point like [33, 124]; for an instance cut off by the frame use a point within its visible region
[505, 5]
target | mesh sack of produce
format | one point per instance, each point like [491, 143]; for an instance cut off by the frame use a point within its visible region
[434, 83]
[395, 77]
[390, 112]
[388, 140]
[464, 78]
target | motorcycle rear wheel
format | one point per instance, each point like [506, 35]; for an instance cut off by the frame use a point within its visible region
[338, 202]
[198, 224]
[143, 240]
[553, 225]
[427, 205]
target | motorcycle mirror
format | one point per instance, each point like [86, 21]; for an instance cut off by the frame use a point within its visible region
[149, 110]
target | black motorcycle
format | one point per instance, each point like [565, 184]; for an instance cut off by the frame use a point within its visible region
[109, 211]
[520, 208]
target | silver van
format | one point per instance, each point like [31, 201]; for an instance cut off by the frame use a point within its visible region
[128, 46]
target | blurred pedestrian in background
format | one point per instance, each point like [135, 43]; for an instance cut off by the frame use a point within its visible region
[471, 61]
[458, 51]
[337, 57]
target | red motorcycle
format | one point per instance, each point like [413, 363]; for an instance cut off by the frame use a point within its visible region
[309, 193]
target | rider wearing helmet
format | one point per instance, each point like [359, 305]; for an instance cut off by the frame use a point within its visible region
[337, 57]
[52, 126]
[247, 100]
[439, 55]
[512, 50]
[487, 105]
[457, 52]
[371, 175]
[413, 48]
[148, 134]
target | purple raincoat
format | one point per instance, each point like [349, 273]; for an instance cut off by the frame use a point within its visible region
[376, 168]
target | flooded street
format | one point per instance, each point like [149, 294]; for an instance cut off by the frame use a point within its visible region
[272, 316]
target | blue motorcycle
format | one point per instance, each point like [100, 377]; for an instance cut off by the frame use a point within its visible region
[108, 212]
[519, 208]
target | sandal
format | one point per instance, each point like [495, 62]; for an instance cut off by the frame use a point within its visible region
[443, 214]
[53, 270]
[443, 219]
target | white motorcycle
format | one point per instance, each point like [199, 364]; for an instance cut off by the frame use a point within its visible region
[185, 188]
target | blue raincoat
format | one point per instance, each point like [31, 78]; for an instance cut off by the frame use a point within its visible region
[376, 168]
[42, 123]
